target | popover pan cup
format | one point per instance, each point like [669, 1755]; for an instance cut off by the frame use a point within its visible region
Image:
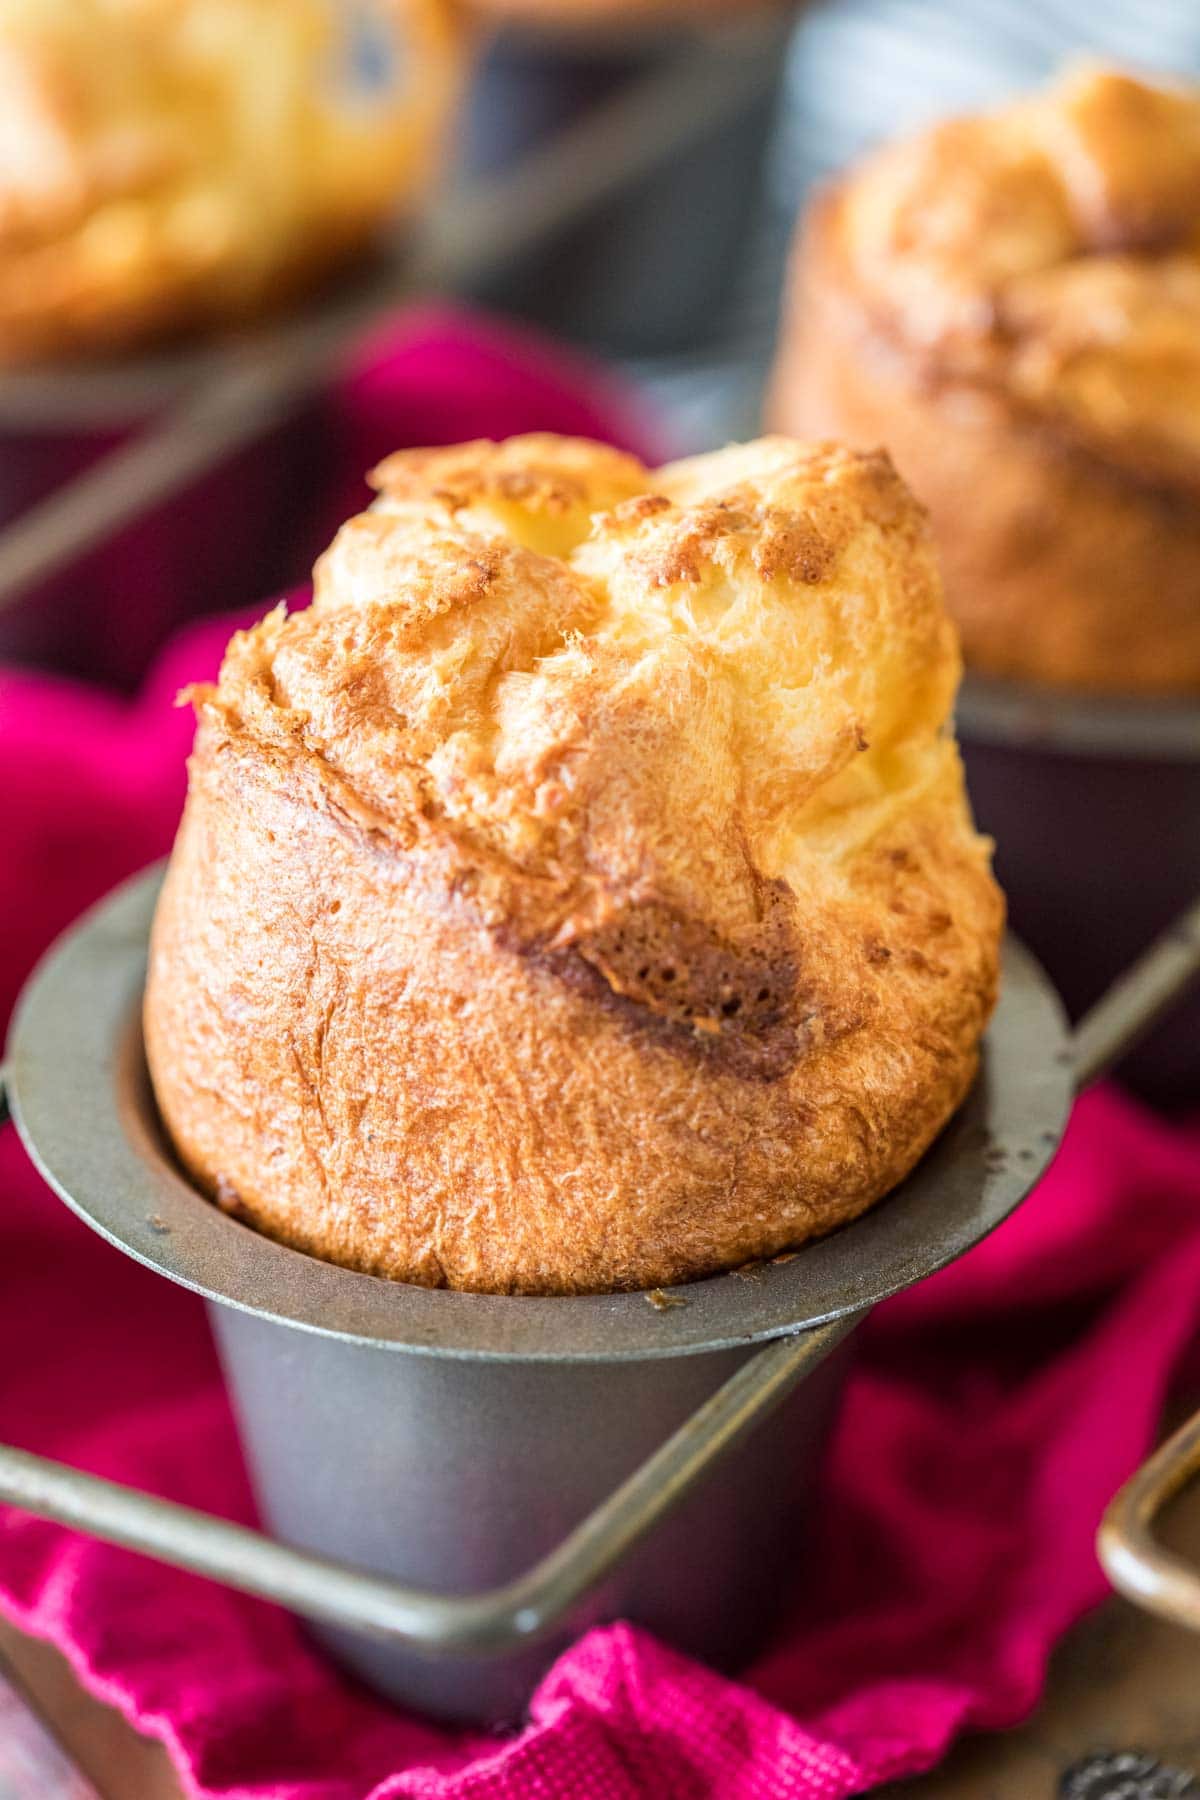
[655, 269]
[1094, 803]
[529, 1465]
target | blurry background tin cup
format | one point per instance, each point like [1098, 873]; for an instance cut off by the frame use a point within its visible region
[217, 546]
[451, 1440]
[1094, 804]
[657, 269]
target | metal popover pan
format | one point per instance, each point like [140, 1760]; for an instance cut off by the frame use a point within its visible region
[460, 1483]
[1094, 803]
[657, 269]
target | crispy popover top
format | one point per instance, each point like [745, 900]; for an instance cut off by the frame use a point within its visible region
[1051, 249]
[593, 695]
[168, 162]
[581, 893]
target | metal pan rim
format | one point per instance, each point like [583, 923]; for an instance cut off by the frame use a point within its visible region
[80, 1098]
[112, 392]
[1027, 716]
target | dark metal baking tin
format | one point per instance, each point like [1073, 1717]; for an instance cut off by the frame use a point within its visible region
[655, 269]
[1094, 803]
[452, 1440]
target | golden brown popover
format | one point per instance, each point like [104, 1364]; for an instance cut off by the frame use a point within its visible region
[167, 164]
[1011, 303]
[581, 894]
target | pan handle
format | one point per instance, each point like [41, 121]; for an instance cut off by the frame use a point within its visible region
[1138, 998]
[528, 1608]
[1131, 1556]
[521, 1611]
[1136, 1564]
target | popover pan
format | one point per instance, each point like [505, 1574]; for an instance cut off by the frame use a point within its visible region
[1094, 803]
[458, 1484]
[654, 270]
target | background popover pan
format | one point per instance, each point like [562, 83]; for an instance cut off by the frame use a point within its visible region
[1093, 802]
[659, 264]
[66, 428]
[460, 1483]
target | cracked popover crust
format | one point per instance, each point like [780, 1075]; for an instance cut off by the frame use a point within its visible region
[581, 894]
[1011, 303]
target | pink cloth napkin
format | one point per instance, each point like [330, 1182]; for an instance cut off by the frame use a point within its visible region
[991, 1413]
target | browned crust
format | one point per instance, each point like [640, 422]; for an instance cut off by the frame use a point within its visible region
[515, 938]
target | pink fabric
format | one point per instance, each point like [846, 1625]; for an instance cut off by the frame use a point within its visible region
[991, 1413]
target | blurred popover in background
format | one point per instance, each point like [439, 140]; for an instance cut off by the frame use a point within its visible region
[171, 164]
[1011, 303]
[581, 894]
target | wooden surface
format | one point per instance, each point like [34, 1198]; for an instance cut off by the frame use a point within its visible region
[119, 1764]
[31, 1762]
[1121, 1680]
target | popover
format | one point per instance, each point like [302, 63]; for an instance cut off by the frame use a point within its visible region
[581, 894]
[1011, 303]
[168, 165]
